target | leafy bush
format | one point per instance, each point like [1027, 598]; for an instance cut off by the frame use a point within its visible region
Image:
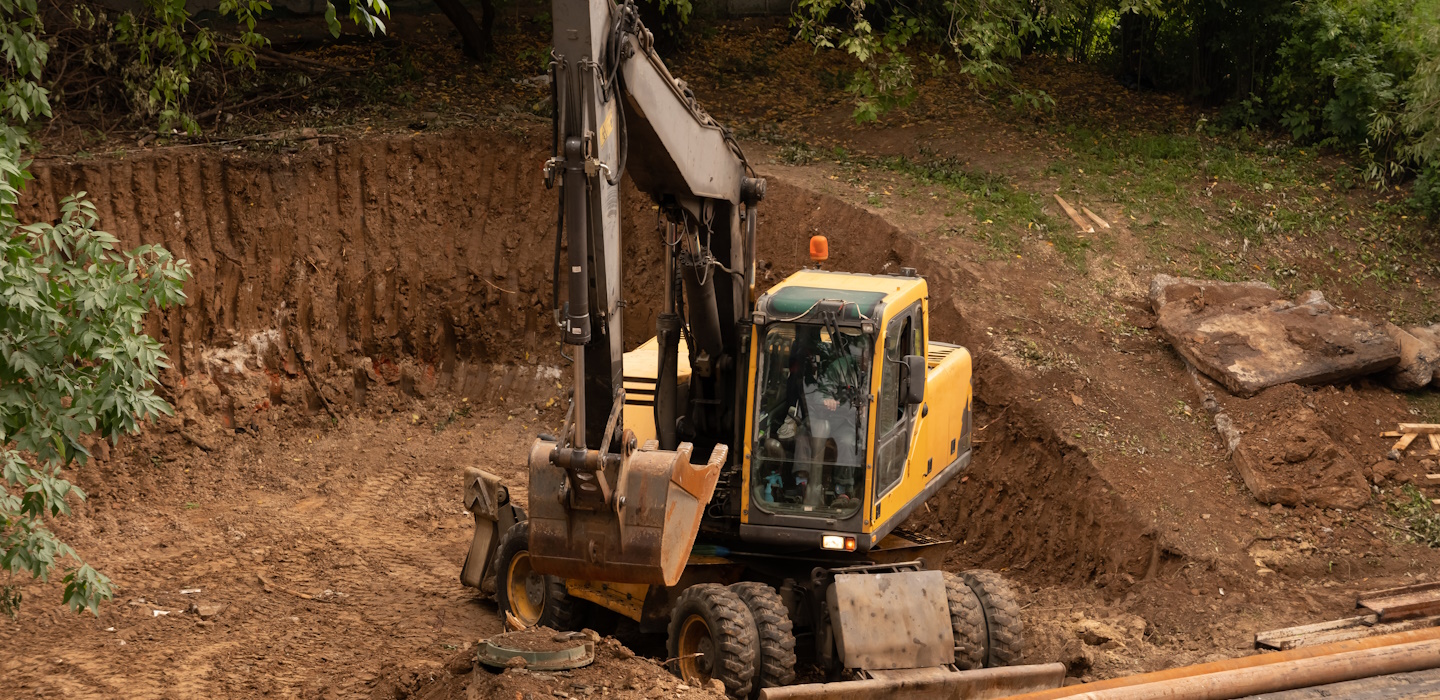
[890, 39]
[154, 61]
[74, 360]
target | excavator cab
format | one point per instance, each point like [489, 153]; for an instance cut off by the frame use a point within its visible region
[855, 418]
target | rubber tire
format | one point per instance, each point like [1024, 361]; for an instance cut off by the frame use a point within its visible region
[775, 636]
[561, 610]
[732, 630]
[1004, 630]
[967, 621]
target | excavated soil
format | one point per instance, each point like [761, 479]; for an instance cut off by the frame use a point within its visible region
[410, 276]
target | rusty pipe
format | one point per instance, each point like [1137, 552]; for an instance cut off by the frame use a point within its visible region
[934, 683]
[1286, 675]
[1354, 651]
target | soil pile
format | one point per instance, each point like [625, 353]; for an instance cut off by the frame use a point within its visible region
[616, 673]
[1289, 459]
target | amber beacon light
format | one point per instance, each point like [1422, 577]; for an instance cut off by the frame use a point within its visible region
[819, 248]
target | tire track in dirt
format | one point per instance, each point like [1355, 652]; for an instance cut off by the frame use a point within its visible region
[381, 527]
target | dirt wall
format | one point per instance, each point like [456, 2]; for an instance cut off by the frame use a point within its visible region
[425, 262]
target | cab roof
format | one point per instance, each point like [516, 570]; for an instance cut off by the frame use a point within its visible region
[800, 291]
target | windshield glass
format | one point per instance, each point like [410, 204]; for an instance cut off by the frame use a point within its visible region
[812, 398]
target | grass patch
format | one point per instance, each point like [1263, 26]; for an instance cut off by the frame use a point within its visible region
[1072, 247]
[1417, 516]
[991, 198]
[1427, 403]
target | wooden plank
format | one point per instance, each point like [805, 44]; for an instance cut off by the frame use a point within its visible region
[1095, 217]
[1434, 441]
[1277, 639]
[1404, 442]
[1433, 477]
[1074, 215]
[1404, 606]
[1337, 631]
[1361, 632]
[1391, 433]
[1421, 428]
[1398, 590]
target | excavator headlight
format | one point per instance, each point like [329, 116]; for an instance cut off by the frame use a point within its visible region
[839, 543]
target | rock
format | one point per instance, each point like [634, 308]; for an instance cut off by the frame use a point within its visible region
[1290, 460]
[517, 662]
[207, 611]
[1248, 338]
[1419, 358]
[1382, 471]
[717, 686]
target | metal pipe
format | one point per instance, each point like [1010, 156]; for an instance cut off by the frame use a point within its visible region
[1430, 634]
[928, 684]
[1288, 675]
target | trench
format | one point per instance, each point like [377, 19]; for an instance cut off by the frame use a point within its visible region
[424, 264]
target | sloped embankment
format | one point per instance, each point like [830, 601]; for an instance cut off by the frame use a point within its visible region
[424, 263]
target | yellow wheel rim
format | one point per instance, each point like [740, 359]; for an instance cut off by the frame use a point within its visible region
[526, 590]
[696, 650]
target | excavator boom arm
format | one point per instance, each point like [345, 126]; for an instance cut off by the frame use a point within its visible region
[602, 506]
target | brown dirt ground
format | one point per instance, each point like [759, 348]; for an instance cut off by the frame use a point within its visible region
[416, 267]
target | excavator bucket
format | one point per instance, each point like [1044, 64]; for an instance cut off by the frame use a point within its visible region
[627, 518]
[933, 683]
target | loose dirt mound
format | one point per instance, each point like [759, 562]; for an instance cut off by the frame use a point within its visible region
[617, 673]
[1288, 459]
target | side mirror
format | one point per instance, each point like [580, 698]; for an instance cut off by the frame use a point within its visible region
[913, 381]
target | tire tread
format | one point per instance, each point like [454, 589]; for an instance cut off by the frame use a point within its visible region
[1004, 628]
[775, 662]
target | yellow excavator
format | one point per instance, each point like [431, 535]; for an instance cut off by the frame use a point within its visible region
[738, 482]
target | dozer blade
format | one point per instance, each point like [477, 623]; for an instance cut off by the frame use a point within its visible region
[930, 684]
[642, 532]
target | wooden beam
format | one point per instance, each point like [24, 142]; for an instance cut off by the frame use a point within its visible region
[1074, 215]
[1398, 590]
[1404, 605]
[1421, 428]
[1286, 638]
[1359, 628]
[1404, 442]
[1095, 217]
[1434, 441]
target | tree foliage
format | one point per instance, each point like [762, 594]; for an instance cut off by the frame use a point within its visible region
[981, 36]
[74, 359]
[155, 62]
[1358, 75]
